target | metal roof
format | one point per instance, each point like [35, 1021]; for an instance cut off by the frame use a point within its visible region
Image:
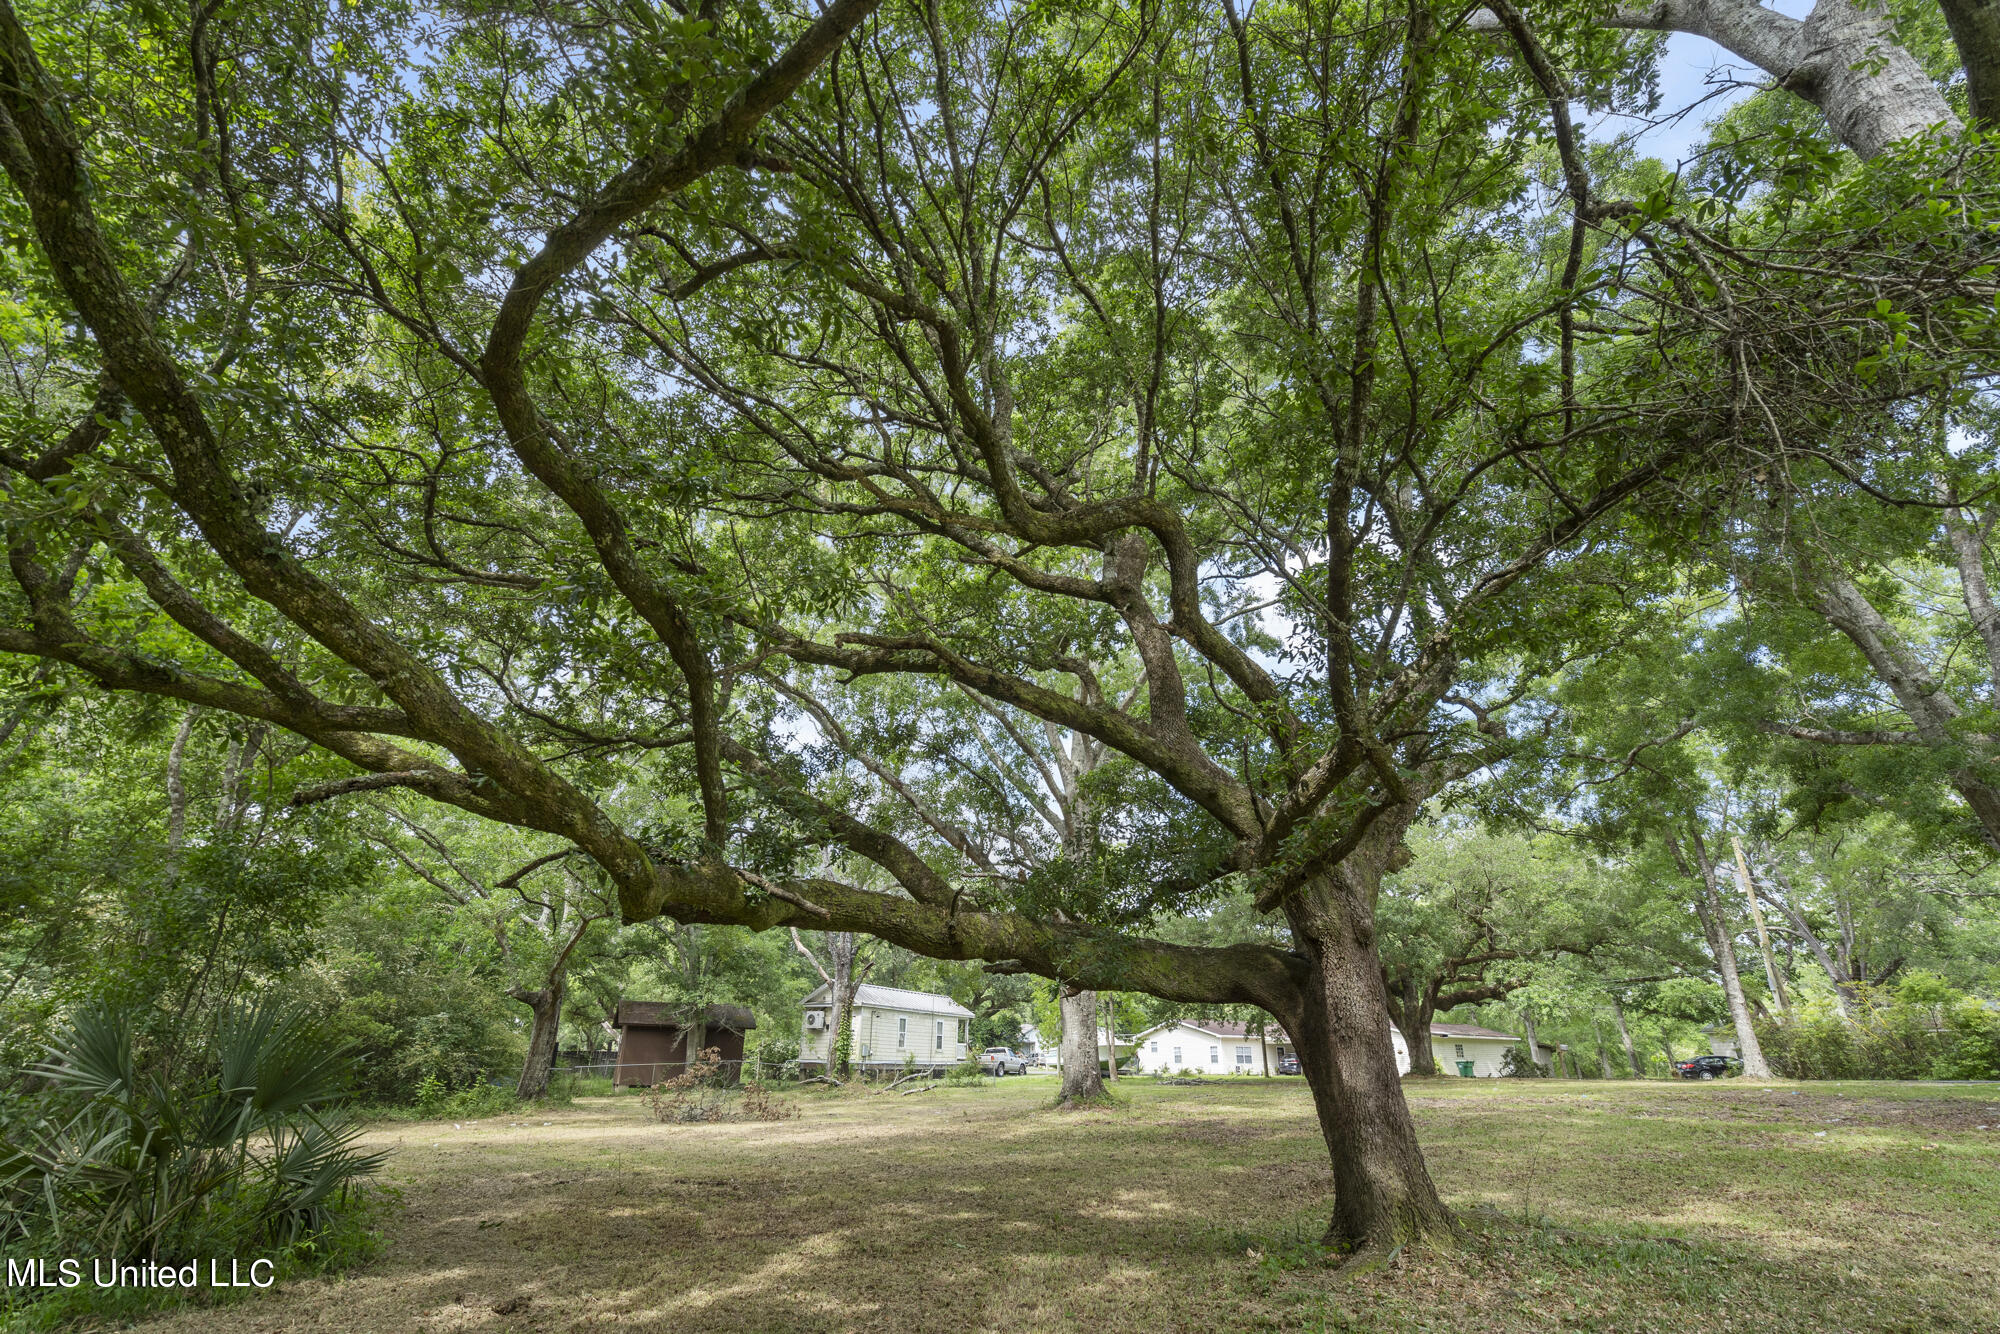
[1471, 1031]
[892, 998]
[670, 1014]
[1219, 1028]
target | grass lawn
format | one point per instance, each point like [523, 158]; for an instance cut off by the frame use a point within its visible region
[1594, 1206]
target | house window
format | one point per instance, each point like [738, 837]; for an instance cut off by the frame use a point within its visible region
[1177, 1057]
[1458, 1050]
[902, 1032]
[1154, 1046]
[1215, 1056]
[1243, 1056]
[940, 1035]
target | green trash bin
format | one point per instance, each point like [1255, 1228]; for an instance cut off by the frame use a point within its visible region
[1465, 1069]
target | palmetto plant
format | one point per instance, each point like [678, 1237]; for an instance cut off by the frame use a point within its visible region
[244, 1154]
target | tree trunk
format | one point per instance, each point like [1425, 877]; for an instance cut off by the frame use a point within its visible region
[1625, 1037]
[1383, 1193]
[1749, 889]
[843, 949]
[1413, 1021]
[1716, 923]
[839, 1037]
[177, 798]
[546, 1006]
[1603, 1056]
[1975, 31]
[1081, 1083]
[696, 1035]
[1534, 1047]
[1108, 1014]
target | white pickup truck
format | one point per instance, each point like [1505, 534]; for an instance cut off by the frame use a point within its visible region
[998, 1061]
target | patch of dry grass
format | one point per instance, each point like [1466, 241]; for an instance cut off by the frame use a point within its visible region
[1593, 1206]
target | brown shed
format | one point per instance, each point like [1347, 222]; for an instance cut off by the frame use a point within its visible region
[653, 1038]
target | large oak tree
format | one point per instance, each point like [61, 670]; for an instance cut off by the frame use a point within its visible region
[527, 404]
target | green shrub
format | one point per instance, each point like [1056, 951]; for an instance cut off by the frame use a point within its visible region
[433, 1099]
[775, 1052]
[243, 1156]
[1918, 1031]
[1972, 1043]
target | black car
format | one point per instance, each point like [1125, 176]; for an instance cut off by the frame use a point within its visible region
[1288, 1065]
[1704, 1067]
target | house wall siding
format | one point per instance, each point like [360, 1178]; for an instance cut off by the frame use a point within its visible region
[1195, 1044]
[1486, 1055]
[874, 1029]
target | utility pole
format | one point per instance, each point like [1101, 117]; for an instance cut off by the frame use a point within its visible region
[1757, 916]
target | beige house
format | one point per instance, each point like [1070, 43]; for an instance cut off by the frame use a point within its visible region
[892, 1028]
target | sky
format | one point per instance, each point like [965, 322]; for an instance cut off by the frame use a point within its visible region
[1690, 68]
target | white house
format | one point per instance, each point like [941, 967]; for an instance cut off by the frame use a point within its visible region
[1053, 1055]
[1215, 1047]
[1459, 1049]
[891, 1027]
[1212, 1046]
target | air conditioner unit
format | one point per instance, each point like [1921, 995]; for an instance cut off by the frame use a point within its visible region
[815, 1019]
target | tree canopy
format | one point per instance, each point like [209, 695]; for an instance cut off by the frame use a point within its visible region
[988, 477]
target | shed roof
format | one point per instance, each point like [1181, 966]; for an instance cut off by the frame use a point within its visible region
[893, 998]
[1470, 1031]
[671, 1014]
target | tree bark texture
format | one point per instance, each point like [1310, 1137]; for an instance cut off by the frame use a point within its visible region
[1413, 1021]
[1383, 1193]
[546, 1007]
[1975, 31]
[1082, 1085]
